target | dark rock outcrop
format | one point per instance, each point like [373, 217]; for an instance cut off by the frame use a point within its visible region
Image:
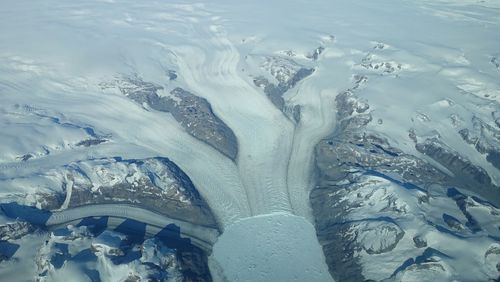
[466, 175]
[192, 112]
[158, 185]
[287, 74]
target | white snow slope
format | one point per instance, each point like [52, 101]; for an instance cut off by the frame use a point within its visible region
[56, 55]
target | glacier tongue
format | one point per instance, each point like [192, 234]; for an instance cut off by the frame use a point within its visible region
[272, 247]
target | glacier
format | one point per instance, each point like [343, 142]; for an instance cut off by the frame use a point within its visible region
[286, 140]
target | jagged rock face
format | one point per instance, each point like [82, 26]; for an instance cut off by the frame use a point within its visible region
[111, 255]
[192, 112]
[15, 230]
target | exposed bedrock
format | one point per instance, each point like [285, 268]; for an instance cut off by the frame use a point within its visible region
[287, 74]
[496, 62]
[316, 53]
[157, 184]
[141, 198]
[466, 175]
[339, 167]
[151, 259]
[187, 243]
[15, 230]
[340, 161]
[360, 210]
[485, 138]
[192, 112]
[10, 233]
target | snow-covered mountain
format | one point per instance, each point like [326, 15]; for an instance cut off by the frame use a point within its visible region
[251, 141]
